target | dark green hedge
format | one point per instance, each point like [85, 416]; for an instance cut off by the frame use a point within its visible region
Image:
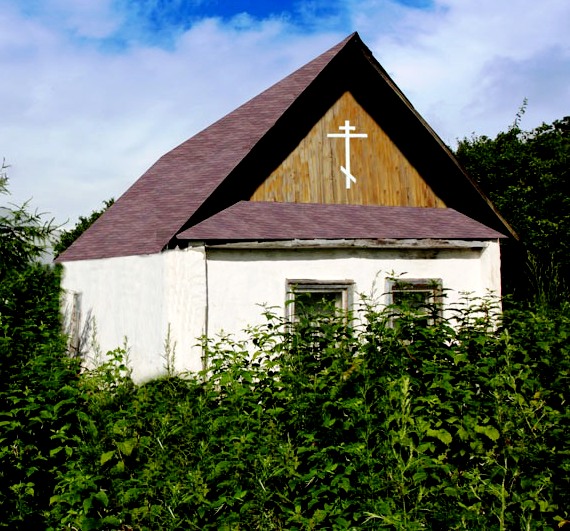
[326, 427]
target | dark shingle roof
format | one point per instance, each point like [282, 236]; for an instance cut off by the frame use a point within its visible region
[157, 205]
[304, 221]
[225, 162]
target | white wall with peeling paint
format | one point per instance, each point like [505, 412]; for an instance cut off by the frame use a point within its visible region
[187, 293]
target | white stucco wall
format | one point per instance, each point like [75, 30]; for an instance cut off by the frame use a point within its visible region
[240, 280]
[141, 298]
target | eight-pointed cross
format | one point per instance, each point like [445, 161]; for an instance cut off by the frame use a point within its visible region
[347, 135]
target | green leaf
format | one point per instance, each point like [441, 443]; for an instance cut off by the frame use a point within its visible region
[55, 451]
[102, 498]
[489, 431]
[420, 476]
[112, 520]
[451, 491]
[240, 494]
[127, 447]
[107, 456]
[443, 435]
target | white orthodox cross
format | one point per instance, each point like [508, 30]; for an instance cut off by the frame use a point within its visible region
[347, 135]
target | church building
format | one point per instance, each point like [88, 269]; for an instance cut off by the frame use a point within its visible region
[328, 183]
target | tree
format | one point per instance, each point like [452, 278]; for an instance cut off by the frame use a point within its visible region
[527, 175]
[24, 235]
[37, 399]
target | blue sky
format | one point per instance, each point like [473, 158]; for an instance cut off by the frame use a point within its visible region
[160, 21]
[94, 91]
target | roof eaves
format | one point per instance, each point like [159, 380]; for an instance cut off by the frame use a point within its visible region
[247, 220]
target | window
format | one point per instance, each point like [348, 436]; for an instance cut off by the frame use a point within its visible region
[317, 297]
[422, 297]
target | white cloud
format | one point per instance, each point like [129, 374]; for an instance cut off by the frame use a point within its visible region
[468, 65]
[81, 121]
[85, 18]
[82, 125]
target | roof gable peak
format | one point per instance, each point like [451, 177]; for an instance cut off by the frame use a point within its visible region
[227, 161]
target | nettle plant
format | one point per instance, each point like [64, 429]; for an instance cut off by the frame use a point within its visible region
[326, 422]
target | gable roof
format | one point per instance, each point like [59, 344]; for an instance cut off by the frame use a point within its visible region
[226, 162]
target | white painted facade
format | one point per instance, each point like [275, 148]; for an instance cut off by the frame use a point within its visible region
[137, 300]
[204, 290]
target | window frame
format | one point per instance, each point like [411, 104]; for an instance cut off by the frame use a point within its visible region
[432, 285]
[294, 286]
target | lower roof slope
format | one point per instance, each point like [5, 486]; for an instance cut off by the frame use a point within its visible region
[305, 221]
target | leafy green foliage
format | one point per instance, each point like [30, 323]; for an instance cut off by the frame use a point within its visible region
[67, 237]
[23, 234]
[335, 426]
[322, 423]
[38, 390]
[527, 176]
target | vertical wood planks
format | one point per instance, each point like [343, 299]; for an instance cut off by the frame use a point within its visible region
[311, 173]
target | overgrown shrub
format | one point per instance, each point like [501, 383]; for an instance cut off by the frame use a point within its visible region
[335, 425]
[321, 423]
[39, 400]
[526, 174]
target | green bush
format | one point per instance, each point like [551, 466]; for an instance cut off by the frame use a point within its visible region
[526, 174]
[39, 401]
[321, 423]
[335, 426]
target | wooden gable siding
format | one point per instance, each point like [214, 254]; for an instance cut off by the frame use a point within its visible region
[311, 173]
